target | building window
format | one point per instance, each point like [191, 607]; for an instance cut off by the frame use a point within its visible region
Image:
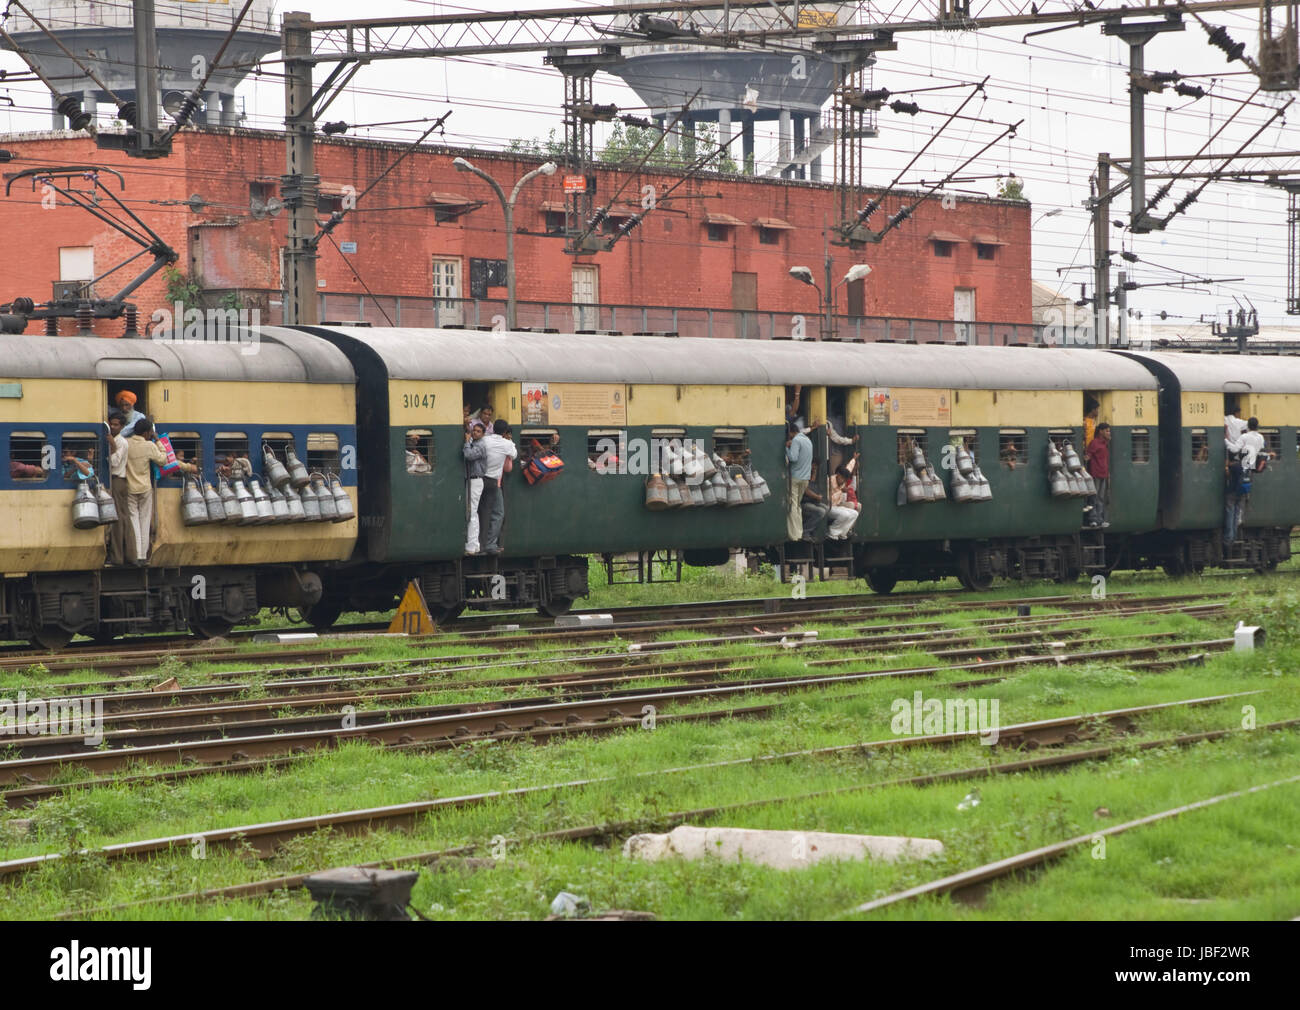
[1200, 446]
[985, 252]
[1013, 447]
[484, 274]
[419, 451]
[719, 232]
[555, 222]
[1141, 446]
[769, 236]
[77, 263]
[446, 291]
[942, 248]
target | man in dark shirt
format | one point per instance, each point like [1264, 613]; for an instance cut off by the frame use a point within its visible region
[1234, 499]
[1098, 461]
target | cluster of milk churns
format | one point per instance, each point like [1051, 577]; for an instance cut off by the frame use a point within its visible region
[92, 506]
[694, 478]
[968, 483]
[292, 496]
[1066, 475]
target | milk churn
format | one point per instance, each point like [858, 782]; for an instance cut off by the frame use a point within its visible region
[742, 486]
[673, 493]
[247, 506]
[671, 459]
[298, 475]
[324, 500]
[710, 468]
[212, 502]
[1089, 484]
[261, 502]
[107, 510]
[279, 507]
[342, 503]
[656, 493]
[1059, 485]
[194, 510]
[936, 485]
[732, 497]
[759, 486]
[274, 471]
[965, 462]
[229, 501]
[310, 504]
[697, 495]
[913, 487]
[961, 488]
[692, 469]
[1054, 461]
[294, 503]
[707, 493]
[918, 459]
[983, 492]
[85, 510]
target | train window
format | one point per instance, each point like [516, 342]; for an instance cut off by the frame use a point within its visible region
[188, 447]
[27, 457]
[82, 445]
[322, 451]
[909, 440]
[1013, 447]
[1200, 446]
[732, 444]
[1141, 445]
[961, 437]
[419, 450]
[602, 449]
[1272, 441]
[228, 444]
[534, 440]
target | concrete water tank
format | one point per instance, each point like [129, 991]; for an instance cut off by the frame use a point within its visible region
[100, 34]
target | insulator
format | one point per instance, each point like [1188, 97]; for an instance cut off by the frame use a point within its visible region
[911, 108]
[132, 318]
[597, 218]
[1189, 90]
[85, 319]
[1220, 39]
[868, 210]
[22, 306]
[70, 106]
[644, 124]
[900, 217]
[330, 129]
[1186, 202]
[1161, 193]
[51, 327]
[128, 112]
[875, 95]
[630, 224]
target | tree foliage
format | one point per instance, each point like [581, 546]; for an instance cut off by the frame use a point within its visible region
[1011, 188]
[626, 146]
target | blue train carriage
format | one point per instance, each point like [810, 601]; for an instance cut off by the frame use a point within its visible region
[616, 411]
[213, 399]
[1196, 392]
[970, 456]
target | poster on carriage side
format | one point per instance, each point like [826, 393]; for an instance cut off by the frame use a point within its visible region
[536, 403]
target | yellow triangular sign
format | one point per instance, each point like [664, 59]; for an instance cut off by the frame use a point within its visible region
[412, 617]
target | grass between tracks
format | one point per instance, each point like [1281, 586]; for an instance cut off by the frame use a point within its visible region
[1229, 862]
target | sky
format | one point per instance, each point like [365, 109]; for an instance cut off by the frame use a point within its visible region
[1069, 87]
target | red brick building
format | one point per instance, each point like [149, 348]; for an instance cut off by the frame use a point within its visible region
[429, 232]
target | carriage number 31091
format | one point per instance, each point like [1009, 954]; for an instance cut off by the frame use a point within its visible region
[417, 399]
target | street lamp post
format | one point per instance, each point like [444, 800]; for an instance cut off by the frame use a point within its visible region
[508, 208]
[805, 274]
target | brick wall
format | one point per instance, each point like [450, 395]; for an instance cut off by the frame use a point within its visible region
[669, 260]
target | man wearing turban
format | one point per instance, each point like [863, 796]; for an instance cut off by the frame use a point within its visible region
[126, 404]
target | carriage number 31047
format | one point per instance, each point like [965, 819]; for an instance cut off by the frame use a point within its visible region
[417, 399]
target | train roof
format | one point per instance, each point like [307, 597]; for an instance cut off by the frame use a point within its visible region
[266, 354]
[1227, 373]
[564, 357]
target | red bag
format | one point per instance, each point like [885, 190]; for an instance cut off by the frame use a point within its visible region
[172, 466]
[543, 466]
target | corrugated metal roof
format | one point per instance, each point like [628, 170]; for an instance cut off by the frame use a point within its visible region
[564, 357]
[1231, 373]
[278, 355]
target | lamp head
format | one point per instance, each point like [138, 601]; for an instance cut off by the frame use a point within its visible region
[548, 168]
[856, 273]
[802, 274]
[462, 165]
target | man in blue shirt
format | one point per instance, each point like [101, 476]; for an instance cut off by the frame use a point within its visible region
[799, 458]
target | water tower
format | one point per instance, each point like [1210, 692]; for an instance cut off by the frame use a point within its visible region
[738, 87]
[190, 32]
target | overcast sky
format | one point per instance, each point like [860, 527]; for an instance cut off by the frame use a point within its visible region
[1070, 88]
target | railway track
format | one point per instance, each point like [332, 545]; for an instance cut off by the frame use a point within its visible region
[617, 829]
[266, 837]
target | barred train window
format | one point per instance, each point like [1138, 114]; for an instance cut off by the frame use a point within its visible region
[188, 447]
[732, 444]
[277, 442]
[908, 440]
[603, 449]
[26, 456]
[967, 437]
[545, 438]
[419, 451]
[1013, 447]
[230, 443]
[322, 451]
[1272, 441]
[1200, 446]
[1141, 445]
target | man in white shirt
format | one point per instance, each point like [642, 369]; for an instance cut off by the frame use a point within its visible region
[1250, 445]
[492, 506]
[117, 485]
[1233, 426]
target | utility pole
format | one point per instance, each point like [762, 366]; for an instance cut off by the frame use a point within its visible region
[300, 185]
[1101, 253]
[1121, 302]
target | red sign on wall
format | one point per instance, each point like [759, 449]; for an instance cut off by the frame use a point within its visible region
[575, 184]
